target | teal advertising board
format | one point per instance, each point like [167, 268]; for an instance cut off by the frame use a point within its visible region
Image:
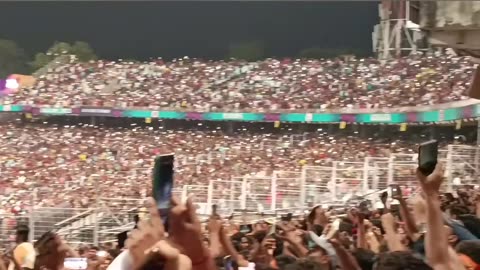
[432, 116]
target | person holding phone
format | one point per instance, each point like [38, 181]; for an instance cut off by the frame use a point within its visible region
[162, 185]
[147, 246]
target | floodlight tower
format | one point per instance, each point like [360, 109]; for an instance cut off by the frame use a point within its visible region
[398, 32]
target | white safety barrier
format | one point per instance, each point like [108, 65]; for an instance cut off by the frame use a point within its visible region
[266, 194]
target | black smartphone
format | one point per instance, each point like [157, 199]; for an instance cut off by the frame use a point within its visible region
[163, 184]
[427, 157]
[396, 191]
[246, 228]
[286, 218]
[214, 210]
[384, 197]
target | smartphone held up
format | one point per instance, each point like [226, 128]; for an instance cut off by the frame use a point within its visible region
[163, 184]
[427, 157]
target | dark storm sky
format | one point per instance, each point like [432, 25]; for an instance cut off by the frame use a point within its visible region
[198, 29]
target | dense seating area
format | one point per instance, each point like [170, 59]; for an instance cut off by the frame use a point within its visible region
[268, 85]
[86, 161]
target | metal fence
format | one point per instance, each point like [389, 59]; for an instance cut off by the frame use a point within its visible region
[273, 193]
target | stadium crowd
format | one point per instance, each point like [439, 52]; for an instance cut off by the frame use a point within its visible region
[80, 162]
[432, 230]
[71, 165]
[268, 85]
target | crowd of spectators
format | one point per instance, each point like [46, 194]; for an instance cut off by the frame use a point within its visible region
[268, 85]
[44, 166]
[431, 230]
[78, 163]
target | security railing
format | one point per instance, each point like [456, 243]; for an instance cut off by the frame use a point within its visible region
[280, 191]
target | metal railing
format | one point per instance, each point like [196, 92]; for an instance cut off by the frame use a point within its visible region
[279, 191]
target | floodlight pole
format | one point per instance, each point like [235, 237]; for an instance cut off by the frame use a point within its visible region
[394, 36]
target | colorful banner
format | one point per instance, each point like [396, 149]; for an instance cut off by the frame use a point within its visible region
[98, 111]
[446, 115]
[11, 108]
[95, 111]
[57, 111]
[442, 115]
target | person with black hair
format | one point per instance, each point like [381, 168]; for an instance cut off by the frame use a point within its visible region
[306, 264]
[317, 229]
[321, 256]
[24, 253]
[469, 252]
[284, 260]
[365, 258]
[400, 260]
[470, 222]
[460, 218]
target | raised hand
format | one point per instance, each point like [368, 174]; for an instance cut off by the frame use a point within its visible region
[186, 232]
[431, 184]
[147, 243]
[214, 225]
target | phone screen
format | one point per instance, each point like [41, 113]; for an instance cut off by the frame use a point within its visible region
[395, 190]
[246, 228]
[427, 157]
[75, 263]
[227, 263]
[163, 184]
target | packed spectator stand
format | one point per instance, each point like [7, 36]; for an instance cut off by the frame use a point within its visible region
[46, 164]
[84, 158]
[268, 85]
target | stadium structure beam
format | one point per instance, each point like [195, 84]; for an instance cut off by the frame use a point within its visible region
[396, 34]
[452, 24]
[456, 25]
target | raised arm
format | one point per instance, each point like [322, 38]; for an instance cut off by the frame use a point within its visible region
[345, 258]
[359, 219]
[230, 250]
[214, 230]
[393, 239]
[289, 236]
[436, 241]
[408, 218]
